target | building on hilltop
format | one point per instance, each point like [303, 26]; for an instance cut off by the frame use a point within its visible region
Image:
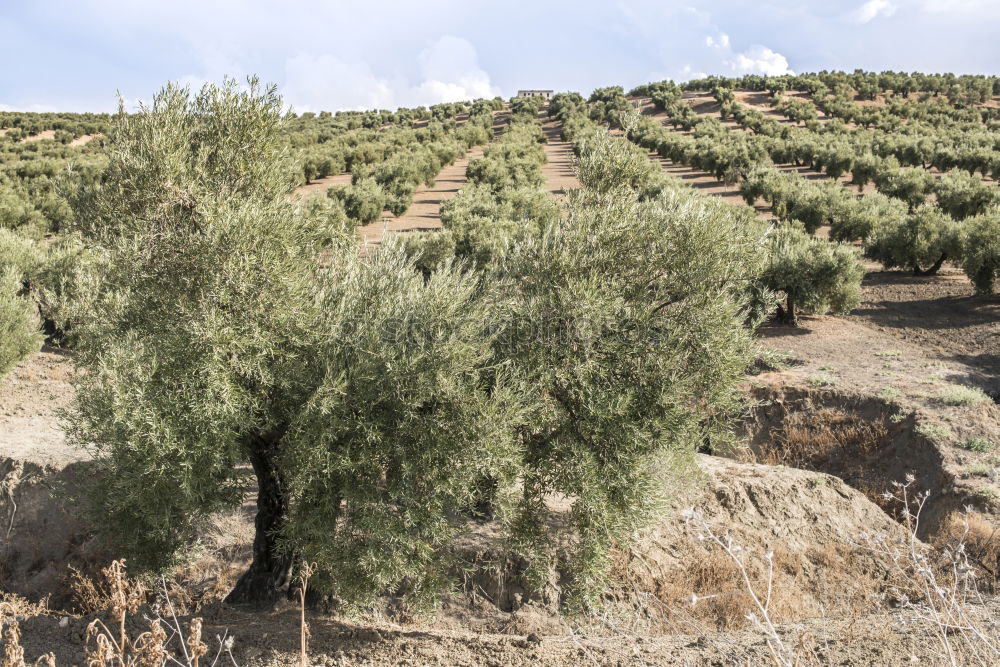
[547, 94]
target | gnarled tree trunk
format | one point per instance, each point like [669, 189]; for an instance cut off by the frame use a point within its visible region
[270, 574]
[933, 269]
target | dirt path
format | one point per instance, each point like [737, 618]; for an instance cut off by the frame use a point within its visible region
[424, 213]
[559, 171]
[321, 185]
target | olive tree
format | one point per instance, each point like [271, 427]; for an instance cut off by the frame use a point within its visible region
[234, 345]
[981, 253]
[925, 238]
[217, 342]
[815, 275]
[961, 194]
[634, 358]
[855, 219]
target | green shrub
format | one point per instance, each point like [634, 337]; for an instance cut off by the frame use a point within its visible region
[964, 396]
[484, 222]
[327, 213]
[981, 445]
[527, 106]
[364, 201]
[64, 286]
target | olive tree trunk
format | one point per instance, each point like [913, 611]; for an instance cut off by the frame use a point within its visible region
[933, 269]
[269, 576]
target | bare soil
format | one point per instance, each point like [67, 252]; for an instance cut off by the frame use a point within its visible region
[321, 185]
[44, 134]
[940, 313]
[32, 396]
[559, 172]
[83, 139]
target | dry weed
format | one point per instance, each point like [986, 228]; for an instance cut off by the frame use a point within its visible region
[12, 606]
[123, 596]
[980, 540]
[13, 653]
[944, 601]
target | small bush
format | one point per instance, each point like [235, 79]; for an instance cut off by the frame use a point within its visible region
[935, 432]
[981, 445]
[961, 395]
[822, 380]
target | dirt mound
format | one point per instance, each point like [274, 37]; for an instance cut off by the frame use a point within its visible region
[807, 520]
[795, 528]
[43, 532]
[869, 442]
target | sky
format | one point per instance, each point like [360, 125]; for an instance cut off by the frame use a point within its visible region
[78, 55]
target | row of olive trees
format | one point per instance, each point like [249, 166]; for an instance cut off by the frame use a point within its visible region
[815, 276]
[960, 90]
[503, 204]
[877, 157]
[903, 231]
[390, 184]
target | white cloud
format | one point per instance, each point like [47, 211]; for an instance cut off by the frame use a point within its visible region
[698, 42]
[326, 82]
[759, 60]
[871, 10]
[449, 70]
[720, 42]
[32, 108]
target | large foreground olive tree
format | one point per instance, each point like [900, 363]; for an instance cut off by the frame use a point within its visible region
[235, 344]
[218, 339]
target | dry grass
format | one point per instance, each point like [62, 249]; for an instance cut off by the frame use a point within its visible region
[836, 442]
[705, 590]
[831, 436]
[978, 538]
